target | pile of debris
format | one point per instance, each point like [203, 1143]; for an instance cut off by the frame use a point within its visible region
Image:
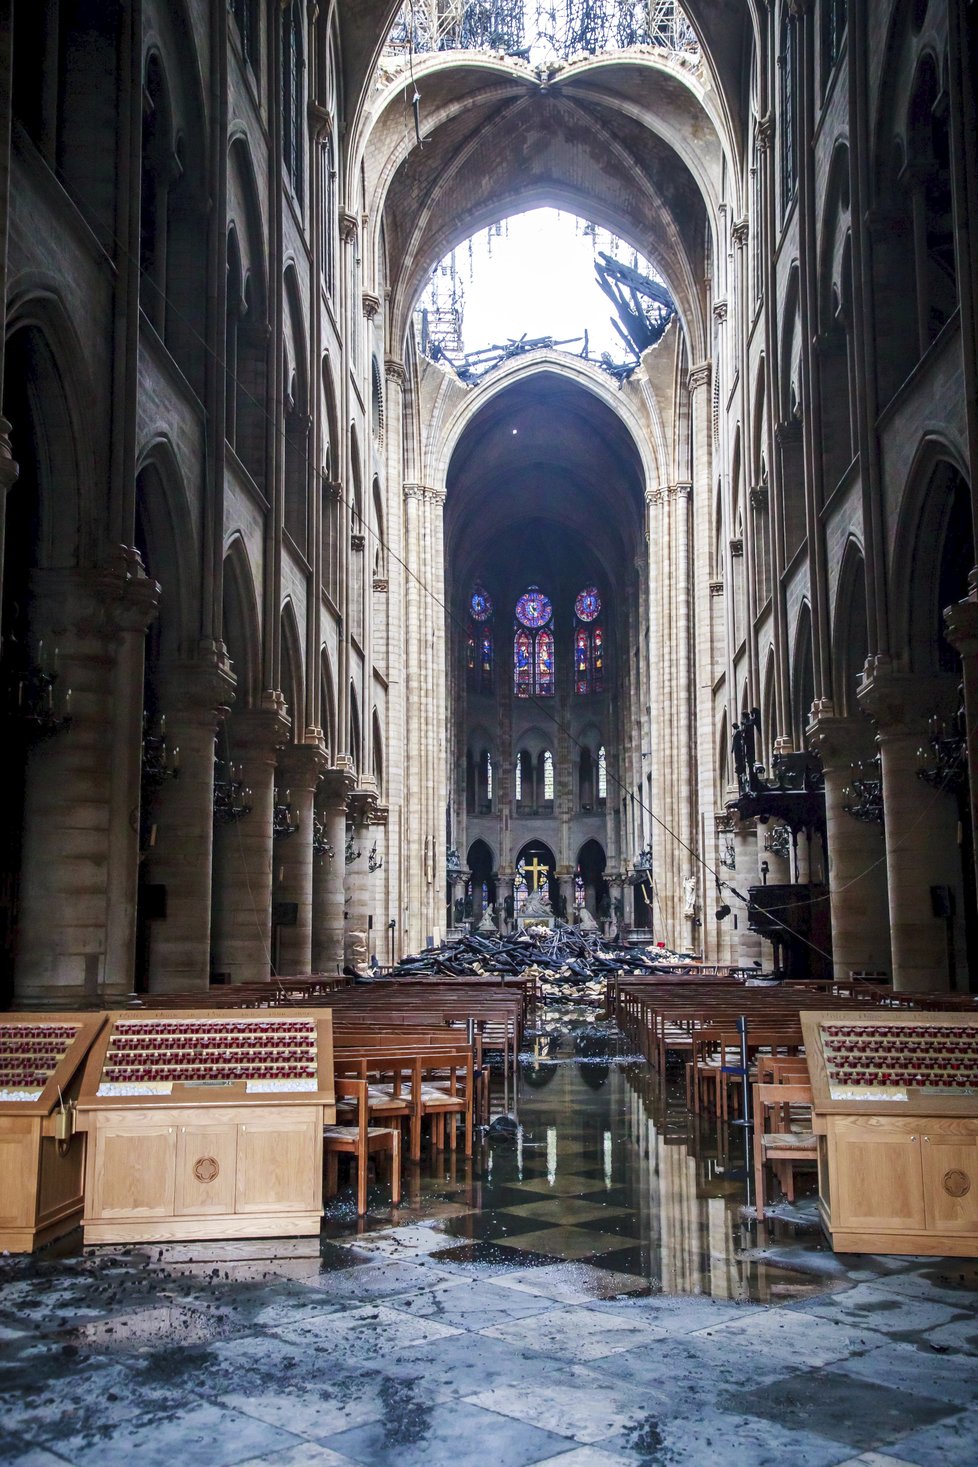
[572, 965]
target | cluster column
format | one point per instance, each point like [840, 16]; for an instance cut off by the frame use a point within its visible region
[242, 925]
[194, 697]
[299, 772]
[76, 935]
[329, 873]
[856, 853]
[922, 858]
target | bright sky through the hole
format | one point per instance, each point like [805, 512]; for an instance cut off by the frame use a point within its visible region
[536, 277]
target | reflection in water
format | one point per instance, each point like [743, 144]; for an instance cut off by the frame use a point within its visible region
[615, 1174]
[610, 1168]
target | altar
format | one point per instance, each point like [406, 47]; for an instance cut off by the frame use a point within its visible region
[536, 911]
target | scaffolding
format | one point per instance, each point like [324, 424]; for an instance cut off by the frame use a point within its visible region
[543, 30]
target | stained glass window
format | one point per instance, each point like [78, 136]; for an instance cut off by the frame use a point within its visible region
[588, 604]
[480, 604]
[470, 653]
[582, 680]
[533, 608]
[485, 665]
[489, 778]
[545, 664]
[602, 774]
[548, 775]
[580, 896]
[588, 643]
[523, 664]
[519, 777]
[533, 648]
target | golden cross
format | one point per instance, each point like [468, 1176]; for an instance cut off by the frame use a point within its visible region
[535, 870]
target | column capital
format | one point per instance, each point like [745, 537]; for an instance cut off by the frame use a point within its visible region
[257, 733]
[334, 789]
[841, 742]
[740, 231]
[302, 765]
[362, 802]
[698, 376]
[200, 685]
[961, 626]
[903, 702]
[395, 371]
[320, 121]
[371, 304]
[349, 226]
[98, 601]
[9, 468]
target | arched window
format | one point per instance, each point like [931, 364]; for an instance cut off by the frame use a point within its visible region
[602, 774]
[243, 12]
[533, 646]
[489, 777]
[478, 642]
[519, 777]
[788, 62]
[292, 82]
[548, 775]
[833, 32]
[588, 643]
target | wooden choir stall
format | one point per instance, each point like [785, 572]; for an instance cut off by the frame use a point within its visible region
[41, 1161]
[895, 1111]
[207, 1124]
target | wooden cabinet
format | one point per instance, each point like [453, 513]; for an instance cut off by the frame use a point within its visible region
[207, 1125]
[895, 1097]
[41, 1157]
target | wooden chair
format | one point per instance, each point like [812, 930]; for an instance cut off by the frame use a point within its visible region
[781, 1149]
[362, 1141]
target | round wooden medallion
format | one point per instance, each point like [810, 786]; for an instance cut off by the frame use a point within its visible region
[957, 1184]
[206, 1168]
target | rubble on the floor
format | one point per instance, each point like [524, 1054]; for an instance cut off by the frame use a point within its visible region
[573, 965]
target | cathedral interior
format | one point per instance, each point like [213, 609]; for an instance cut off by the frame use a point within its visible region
[331, 636]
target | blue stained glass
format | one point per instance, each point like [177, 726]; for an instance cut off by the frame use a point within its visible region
[534, 609]
[480, 604]
[588, 604]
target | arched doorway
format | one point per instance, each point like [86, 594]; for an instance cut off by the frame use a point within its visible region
[481, 889]
[590, 887]
[533, 860]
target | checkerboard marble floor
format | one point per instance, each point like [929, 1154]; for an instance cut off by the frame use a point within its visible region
[591, 1293]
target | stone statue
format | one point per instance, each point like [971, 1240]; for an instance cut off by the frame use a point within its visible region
[585, 921]
[689, 896]
[488, 923]
[537, 904]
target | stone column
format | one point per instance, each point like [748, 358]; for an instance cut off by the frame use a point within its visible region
[856, 852]
[361, 807]
[565, 879]
[921, 832]
[299, 771]
[747, 874]
[241, 934]
[194, 697]
[329, 873]
[504, 893]
[616, 888]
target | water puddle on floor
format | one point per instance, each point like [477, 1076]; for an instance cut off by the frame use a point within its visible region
[604, 1169]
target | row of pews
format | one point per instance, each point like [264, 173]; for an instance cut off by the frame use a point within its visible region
[410, 1057]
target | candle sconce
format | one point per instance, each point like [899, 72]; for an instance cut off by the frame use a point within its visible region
[374, 862]
[284, 823]
[232, 799]
[159, 762]
[863, 795]
[351, 854]
[36, 701]
[320, 845]
[945, 765]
